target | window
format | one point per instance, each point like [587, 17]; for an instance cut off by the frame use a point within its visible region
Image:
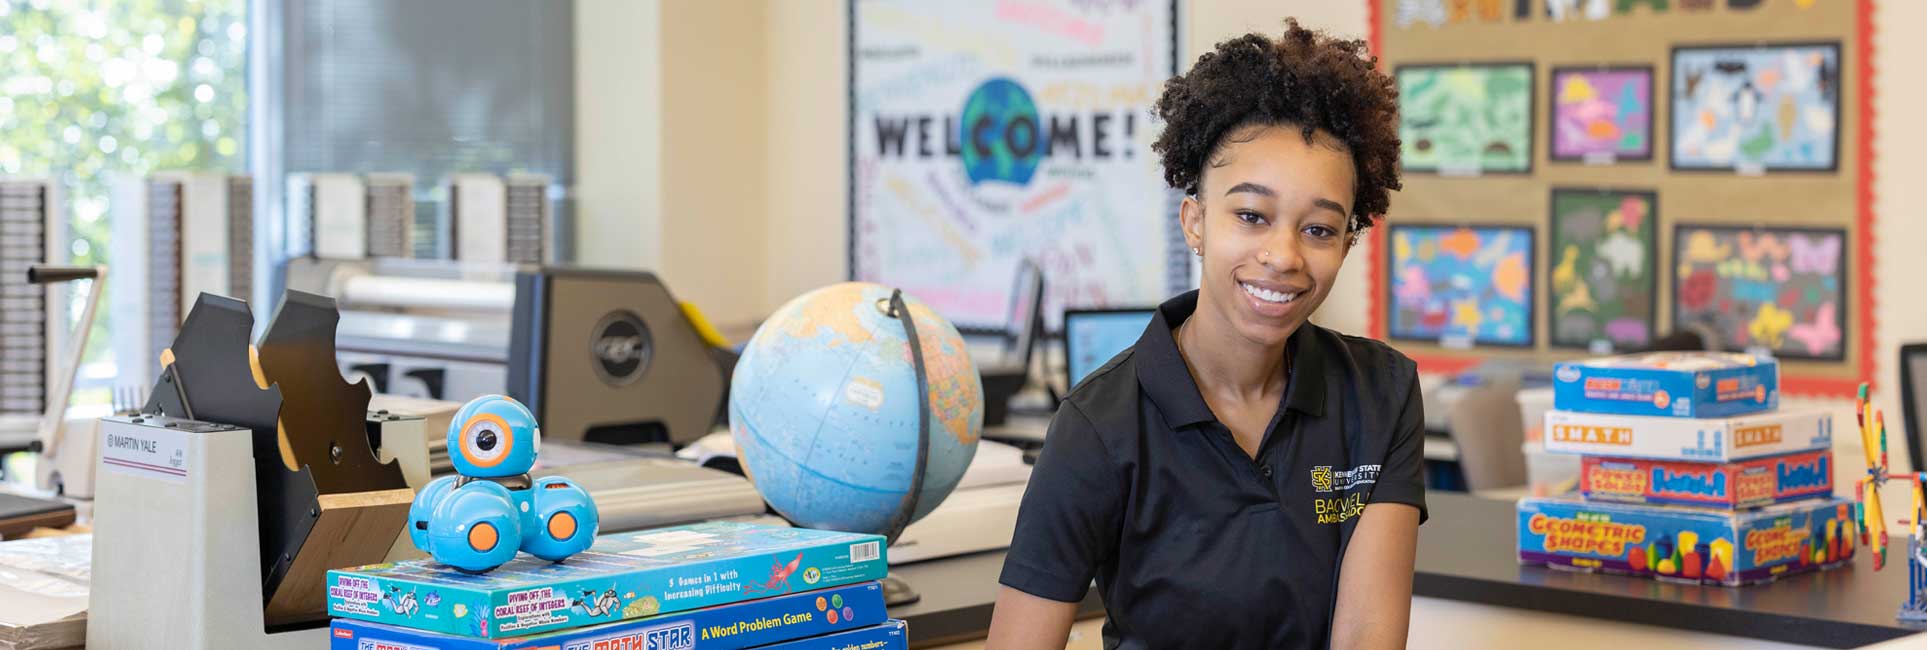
[91, 90]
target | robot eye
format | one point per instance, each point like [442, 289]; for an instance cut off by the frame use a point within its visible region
[486, 440]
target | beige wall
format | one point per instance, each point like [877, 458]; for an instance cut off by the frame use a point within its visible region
[723, 91]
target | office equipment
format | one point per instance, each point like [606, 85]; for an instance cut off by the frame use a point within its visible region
[605, 356]
[272, 486]
[1093, 336]
[1913, 401]
[1003, 358]
[20, 515]
[175, 236]
[351, 217]
[499, 219]
[31, 219]
[66, 447]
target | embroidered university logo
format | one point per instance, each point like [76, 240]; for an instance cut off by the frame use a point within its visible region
[1321, 478]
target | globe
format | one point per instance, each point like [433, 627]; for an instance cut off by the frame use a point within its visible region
[1000, 117]
[823, 408]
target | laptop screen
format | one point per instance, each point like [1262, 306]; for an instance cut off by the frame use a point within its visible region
[1091, 338]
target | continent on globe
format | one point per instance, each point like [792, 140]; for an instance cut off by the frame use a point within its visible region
[823, 408]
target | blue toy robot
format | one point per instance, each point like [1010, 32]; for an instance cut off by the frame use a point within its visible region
[478, 520]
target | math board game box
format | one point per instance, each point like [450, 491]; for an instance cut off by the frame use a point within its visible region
[1705, 440]
[892, 634]
[1736, 485]
[746, 624]
[1677, 543]
[1668, 384]
[623, 576]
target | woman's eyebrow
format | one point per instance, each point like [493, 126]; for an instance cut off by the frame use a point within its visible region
[1253, 188]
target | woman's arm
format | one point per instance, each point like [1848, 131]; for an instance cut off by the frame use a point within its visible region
[1375, 579]
[1023, 622]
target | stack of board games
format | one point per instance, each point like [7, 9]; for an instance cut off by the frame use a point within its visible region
[708, 586]
[1690, 472]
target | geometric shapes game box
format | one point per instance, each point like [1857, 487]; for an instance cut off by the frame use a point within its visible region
[1743, 484]
[1686, 544]
[1668, 384]
[623, 576]
[723, 627]
[1700, 440]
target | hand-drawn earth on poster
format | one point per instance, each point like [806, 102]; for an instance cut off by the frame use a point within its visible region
[1465, 119]
[1782, 289]
[1602, 114]
[1761, 108]
[1470, 283]
[1604, 267]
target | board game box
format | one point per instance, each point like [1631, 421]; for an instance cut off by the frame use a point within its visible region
[1742, 484]
[1695, 545]
[891, 635]
[1668, 384]
[624, 576]
[1708, 440]
[746, 624]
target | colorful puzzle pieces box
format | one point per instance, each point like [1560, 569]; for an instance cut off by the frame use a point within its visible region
[1702, 440]
[1668, 384]
[1686, 544]
[1742, 484]
[746, 624]
[623, 576]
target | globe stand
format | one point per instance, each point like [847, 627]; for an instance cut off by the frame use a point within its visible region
[895, 590]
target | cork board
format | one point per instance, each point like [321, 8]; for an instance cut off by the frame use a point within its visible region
[1700, 130]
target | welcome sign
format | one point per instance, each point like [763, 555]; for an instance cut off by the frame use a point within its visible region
[983, 134]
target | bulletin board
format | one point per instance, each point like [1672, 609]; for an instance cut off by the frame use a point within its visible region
[1679, 162]
[987, 134]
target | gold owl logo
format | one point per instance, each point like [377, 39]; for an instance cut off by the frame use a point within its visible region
[1321, 478]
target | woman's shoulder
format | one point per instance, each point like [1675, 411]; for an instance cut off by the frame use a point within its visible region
[1104, 398]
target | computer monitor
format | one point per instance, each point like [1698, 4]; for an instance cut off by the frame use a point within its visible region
[1913, 400]
[1093, 336]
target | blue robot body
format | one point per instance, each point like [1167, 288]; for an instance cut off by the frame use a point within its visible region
[477, 521]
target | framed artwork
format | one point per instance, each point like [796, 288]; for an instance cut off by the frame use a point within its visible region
[1468, 119]
[1602, 273]
[1756, 109]
[1470, 283]
[1781, 289]
[1601, 115]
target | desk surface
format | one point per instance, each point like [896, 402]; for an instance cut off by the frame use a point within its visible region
[1466, 554]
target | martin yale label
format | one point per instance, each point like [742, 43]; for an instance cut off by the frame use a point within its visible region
[147, 452]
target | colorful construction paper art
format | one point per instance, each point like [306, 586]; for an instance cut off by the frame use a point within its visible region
[1782, 289]
[1602, 114]
[1472, 284]
[1603, 277]
[1756, 108]
[1466, 119]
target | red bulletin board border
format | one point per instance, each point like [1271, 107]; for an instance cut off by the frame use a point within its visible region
[1863, 52]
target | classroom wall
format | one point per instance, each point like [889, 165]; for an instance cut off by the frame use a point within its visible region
[768, 113]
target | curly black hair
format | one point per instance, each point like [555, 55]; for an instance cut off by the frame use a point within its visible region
[1307, 79]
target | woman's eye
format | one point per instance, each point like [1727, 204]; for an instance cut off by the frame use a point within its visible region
[1252, 218]
[1321, 232]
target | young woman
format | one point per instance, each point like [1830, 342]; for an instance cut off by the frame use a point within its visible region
[1242, 478]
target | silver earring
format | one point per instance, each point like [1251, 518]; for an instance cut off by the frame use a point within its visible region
[1198, 251]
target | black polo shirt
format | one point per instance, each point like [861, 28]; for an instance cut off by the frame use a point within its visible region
[1193, 543]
